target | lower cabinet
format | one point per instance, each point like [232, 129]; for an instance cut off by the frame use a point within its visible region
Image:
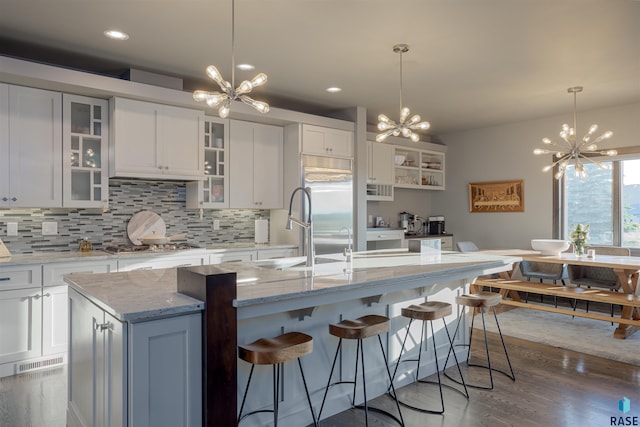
[160, 261]
[140, 374]
[20, 327]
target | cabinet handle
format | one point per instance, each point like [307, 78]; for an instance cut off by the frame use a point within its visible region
[46, 295]
[184, 265]
[4, 279]
[4, 199]
[166, 168]
[103, 326]
[13, 199]
[160, 167]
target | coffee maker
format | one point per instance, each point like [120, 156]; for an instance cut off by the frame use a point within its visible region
[403, 220]
[435, 225]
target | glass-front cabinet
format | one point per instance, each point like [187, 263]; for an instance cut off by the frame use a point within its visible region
[213, 192]
[85, 152]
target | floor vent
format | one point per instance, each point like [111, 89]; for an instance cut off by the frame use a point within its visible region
[40, 364]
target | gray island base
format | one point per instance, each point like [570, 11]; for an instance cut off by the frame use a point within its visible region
[247, 301]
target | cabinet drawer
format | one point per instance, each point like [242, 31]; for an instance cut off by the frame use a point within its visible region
[159, 262]
[53, 273]
[20, 277]
[446, 243]
[236, 256]
[383, 234]
[277, 253]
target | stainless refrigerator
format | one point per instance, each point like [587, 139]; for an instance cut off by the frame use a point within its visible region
[331, 182]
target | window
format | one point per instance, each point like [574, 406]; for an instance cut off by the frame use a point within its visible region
[608, 200]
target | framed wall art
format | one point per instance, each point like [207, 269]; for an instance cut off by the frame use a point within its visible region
[497, 196]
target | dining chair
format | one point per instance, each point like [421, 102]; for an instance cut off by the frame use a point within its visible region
[545, 271]
[598, 277]
[467, 246]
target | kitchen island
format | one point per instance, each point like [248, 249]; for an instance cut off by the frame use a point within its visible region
[245, 301]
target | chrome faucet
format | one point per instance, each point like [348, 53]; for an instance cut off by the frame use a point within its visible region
[308, 226]
[348, 251]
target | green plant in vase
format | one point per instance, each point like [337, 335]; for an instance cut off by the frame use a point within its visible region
[579, 236]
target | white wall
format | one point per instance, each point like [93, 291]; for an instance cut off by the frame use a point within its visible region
[505, 153]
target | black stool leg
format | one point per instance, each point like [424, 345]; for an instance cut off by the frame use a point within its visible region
[504, 346]
[246, 390]
[276, 380]
[326, 390]
[306, 390]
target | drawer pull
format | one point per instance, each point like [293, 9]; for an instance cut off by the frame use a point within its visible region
[5, 279]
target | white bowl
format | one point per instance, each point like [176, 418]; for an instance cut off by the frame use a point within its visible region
[399, 160]
[550, 246]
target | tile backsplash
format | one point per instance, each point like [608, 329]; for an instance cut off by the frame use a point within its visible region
[126, 197]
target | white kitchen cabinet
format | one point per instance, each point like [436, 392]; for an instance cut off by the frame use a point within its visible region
[232, 256]
[85, 137]
[161, 261]
[256, 168]
[97, 391]
[379, 171]
[30, 147]
[140, 374]
[213, 191]
[55, 320]
[446, 242]
[155, 141]
[20, 277]
[327, 141]
[420, 169]
[53, 273]
[20, 327]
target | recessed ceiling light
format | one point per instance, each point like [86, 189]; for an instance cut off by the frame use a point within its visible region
[116, 35]
[246, 67]
[333, 89]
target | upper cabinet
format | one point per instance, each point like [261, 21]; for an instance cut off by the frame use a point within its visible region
[379, 171]
[85, 136]
[213, 192]
[326, 141]
[30, 147]
[155, 141]
[421, 169]
[256, 165]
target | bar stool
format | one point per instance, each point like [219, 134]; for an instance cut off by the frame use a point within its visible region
[359, 329]
[428, 312]
[482, 301]
[276, 351]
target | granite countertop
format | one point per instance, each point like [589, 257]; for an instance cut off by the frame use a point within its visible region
[48, 257]
[144, 294]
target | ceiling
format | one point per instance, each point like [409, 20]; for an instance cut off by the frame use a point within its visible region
[471, 63]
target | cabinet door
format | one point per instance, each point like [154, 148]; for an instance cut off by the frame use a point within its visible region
[180, 132]
[380, 163]
[35, 140]
[55, 320]
[213, 191]
[268, 167]
[241, 169]
[255, 174]
[85, 133]
[4, 146]
[165, 366]
[133, 149]
[20, 324]
[235, 256]
[327, 141]
[97, 366]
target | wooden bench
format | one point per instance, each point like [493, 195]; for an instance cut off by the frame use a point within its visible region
[511, 287]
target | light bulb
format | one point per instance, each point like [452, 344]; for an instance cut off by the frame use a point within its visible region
[215, 98]
[546, 141]
[592, 129]
[413, 120]
[200, 95]
[611, 152]
[404, 113]
[259, 80]
[415, 137]
[423, 126]
[224, 110]
[383, 118]
[538, 151]
[214, 74]
[547, 168]
[262, 107]
[382, 126]
[245, 87]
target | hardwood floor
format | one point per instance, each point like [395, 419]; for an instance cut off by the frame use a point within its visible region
[553, 387]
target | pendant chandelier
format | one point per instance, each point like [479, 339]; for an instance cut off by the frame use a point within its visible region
[406, 126]
[573, 149]
[228, 93]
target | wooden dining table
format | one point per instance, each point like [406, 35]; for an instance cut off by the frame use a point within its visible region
[625, 267]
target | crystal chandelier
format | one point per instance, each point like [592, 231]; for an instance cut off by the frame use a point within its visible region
[404, 127]
[572, 150]
[228, 93]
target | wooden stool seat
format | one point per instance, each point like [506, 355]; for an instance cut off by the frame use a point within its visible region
[429, 310]
[271, 351]
[481, 300]
[362, 327]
